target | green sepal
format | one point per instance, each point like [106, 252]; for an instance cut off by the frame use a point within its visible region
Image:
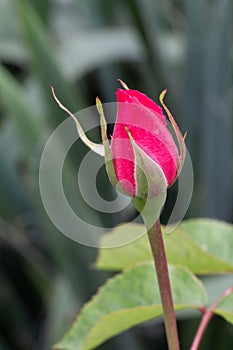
[108, 155]
[107, 150]
[95, 147]
[151, 185]
[178, 133]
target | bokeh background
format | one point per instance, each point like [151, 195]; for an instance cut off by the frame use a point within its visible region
[81, 47]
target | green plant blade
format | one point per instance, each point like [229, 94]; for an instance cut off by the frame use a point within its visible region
[62, 306]
[216, 197]
[97, 48]
[11, 45]
[14, 99]
[225, 308]
[215, 237]
[127, 300]
[122, 257]
[202, 245]
[44, 62]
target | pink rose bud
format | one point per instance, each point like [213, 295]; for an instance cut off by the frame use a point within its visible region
[142, 159]
[146, 123]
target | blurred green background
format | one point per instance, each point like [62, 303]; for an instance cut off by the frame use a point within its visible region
[81, 47]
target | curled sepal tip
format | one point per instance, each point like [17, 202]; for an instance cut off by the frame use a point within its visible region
[123, 84]
[178, 133]
[97, 148]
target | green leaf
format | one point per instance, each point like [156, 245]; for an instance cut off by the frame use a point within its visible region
[127, 300]
[122, 257]
[202, 245]
[225, 308]
[214, 237]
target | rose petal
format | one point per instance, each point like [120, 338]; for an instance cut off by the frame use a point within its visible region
[148, 128]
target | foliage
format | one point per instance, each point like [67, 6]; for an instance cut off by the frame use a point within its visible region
[132, 297]
[81, 48]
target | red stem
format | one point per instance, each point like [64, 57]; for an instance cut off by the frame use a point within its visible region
[208, 314]
[160, 260]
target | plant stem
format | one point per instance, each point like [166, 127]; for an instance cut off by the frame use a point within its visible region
[160, 260]
[208, 314]
[204, 322]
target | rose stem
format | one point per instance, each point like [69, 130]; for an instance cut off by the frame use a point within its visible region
[160, 260]
[208, 314]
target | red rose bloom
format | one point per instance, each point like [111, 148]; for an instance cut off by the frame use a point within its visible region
[147, 125]
[142, 159]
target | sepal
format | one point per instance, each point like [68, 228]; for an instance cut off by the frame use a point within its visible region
[177, 131]
[151, 185]
[149, 177]
[96, 147]
[107, 150]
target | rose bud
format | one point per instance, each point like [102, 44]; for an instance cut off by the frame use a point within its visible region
[142, 160]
